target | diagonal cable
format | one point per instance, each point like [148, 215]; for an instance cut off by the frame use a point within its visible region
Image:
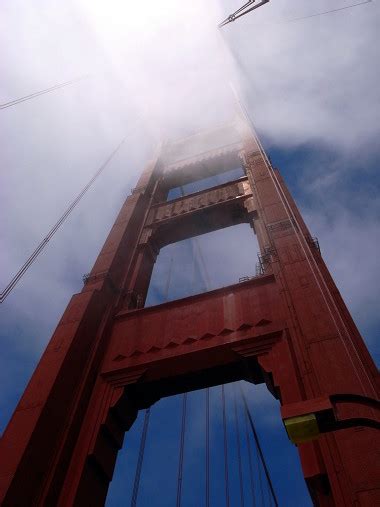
[238, 447]
[140, 460]
[16, 278]
[41, 92]
[328, 12]
[250, 465]
[258, 446]
[181, 451]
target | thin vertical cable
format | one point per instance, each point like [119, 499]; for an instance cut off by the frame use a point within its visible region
[202, 263]
[238, 447]
[260, 491]
[227, 489]
[193, 272]
[250, 464]
[140, 460]
[167, 286]
[181, 451]
[197, 258]
[258, 446]
[260, 475]
[207, 499]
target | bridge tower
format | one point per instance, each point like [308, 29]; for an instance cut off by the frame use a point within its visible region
[110, 357]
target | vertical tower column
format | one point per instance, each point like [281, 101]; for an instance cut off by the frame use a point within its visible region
[330, 356]
[36, 446]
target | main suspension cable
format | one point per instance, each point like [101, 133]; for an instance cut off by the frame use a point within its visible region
[238, 447]
[242, 11]
[245, 9]
[181, 451]
[258, 446]
[16, 278]
[41, 92]
[225, 441]
[136, 483]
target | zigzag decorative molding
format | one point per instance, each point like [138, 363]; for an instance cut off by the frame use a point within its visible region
[189, 340]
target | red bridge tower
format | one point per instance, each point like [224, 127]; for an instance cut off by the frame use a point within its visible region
[110, 357]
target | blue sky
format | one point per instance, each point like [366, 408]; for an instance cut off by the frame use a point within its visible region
[159, 476]
[312, 90]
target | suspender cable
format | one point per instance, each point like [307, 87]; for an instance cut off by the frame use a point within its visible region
[136, 483]
[259, 473]
[8, 289]
[194, 244]
[181, 451]
[250, 465]
[227, 491]
[206, 277]
[201, 262]
[260, 491]
[41, 92]
[167, 286]
[238, 447]
[207, 492]
[258, 446]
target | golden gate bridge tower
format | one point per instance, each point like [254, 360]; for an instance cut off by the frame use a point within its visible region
[287, 327]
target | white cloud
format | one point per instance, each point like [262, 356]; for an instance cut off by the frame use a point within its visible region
[314, 79]
[351, 239]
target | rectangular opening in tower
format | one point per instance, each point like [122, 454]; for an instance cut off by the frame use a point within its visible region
[203, 263]
[205, 183]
